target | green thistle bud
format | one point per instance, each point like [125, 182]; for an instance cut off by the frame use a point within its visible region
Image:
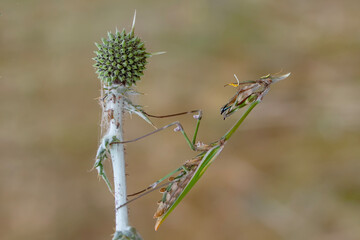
[120, 59]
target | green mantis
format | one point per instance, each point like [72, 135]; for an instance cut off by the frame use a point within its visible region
[181, 180]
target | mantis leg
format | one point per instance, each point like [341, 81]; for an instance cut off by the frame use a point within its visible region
[142, 193]
[178, 128]
[154, 186]
[198, 117]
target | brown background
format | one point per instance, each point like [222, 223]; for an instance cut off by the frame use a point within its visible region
[291, 172]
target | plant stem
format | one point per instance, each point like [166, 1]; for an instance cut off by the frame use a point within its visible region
[118, 160]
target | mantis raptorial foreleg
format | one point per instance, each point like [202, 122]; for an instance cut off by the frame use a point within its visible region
[179, 128]
[198, 117]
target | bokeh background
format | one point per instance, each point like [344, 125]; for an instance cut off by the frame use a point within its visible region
[291, 172]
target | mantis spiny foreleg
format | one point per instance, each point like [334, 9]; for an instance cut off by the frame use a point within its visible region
[179, 128]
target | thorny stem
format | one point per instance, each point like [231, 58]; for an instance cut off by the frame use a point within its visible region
[115, 104]
[118, 161]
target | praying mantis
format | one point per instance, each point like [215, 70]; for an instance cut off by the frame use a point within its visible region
[182, 179]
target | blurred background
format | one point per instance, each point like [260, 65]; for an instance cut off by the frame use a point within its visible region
[290, 172]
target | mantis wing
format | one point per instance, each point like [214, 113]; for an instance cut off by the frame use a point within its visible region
[208, 158]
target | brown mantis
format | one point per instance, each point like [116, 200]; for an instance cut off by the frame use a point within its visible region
[182, 179]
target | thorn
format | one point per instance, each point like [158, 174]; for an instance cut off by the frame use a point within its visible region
[156, 53]
[133, 24]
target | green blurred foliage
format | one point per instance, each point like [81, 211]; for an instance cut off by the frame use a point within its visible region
[291, 172]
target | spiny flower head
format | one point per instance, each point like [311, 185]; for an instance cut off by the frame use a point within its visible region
[120, 59]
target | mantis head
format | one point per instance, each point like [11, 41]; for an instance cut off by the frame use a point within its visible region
[248, 92]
